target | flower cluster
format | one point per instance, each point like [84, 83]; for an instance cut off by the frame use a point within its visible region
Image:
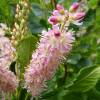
[6, 49]
[52, 48]
[73, 15]
[8, 82]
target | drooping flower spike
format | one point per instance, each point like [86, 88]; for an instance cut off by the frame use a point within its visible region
[6, 49]
[8, 81]
[52, 48]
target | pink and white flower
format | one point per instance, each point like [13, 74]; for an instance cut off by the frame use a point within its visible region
[8, 81]
[74, 7]
[51, 50]
[6, 52]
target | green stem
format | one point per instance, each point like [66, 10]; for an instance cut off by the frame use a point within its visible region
[65, 74]
[27, 95]
[63, 25]
[54, 3]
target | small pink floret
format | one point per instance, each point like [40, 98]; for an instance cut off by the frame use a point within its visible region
[74, 6]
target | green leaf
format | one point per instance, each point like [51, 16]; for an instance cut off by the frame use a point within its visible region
[25, 49]
[34, 24]
[93, 94]
[89, 18]
[7, 11]
[74, 96]
[93, 3]
[86, 79]
[37, 10]
[74, 59]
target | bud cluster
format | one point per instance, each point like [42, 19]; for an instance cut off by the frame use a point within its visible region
[73, 15]
[20, 25]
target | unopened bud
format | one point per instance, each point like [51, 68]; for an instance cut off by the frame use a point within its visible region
[16, 16]
[74, 6]
[15, 43]
[25, 4]
[79, 16]
[17, 26]
[57, 34]
[53, 20]
[13, 37]
[60, 8]
[17, 8]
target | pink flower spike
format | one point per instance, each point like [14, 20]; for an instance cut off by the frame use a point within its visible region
[8, 81]
[53, 20]
[74, 6]
[79, 16]
[46, 59]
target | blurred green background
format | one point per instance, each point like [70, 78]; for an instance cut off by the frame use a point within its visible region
[78, 77]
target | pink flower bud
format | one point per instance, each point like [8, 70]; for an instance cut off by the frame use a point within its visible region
[60, 8]
[53, 20]
[74, 6]
[56, 31]
[56, 13]
[57, 34]
[79, 15]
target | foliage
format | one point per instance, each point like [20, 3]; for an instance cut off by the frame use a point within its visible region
[82, 81]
